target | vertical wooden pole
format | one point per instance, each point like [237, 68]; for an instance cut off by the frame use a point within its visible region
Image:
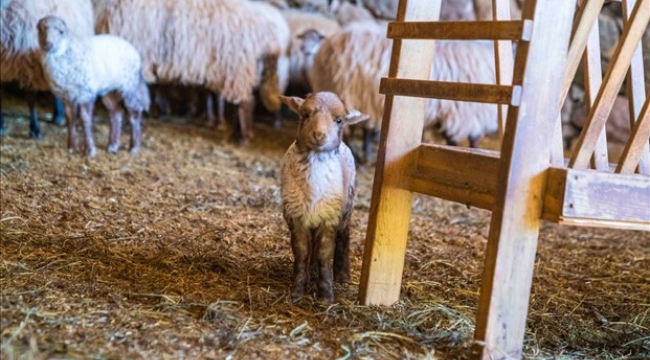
[503, 57]
[390, 208]
[525, 154]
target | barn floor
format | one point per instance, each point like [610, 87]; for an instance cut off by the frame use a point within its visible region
[181, 252]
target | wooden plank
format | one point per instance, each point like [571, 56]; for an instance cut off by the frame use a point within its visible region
[585, 20]
[593, 79]
[594, 198]
[504, 62]
[637, 145]
[449, 172]
[636, 89]
[461, 30]
[612, 82]
[401, 135]
[525, 154]
[485, 93]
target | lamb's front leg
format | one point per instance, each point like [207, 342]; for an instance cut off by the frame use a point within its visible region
[326, 244]
[86, 114]
[300, 246]
[70, 110]
[115, 113]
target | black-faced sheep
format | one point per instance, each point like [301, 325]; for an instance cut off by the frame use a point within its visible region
[19, 44]
[218, 44]
[318, 188]
[80, 69]
[352, 62]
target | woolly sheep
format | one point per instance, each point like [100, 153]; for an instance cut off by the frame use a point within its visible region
[318, 189]
[352, 62]
[80, 69]
[218, 44]
[19, 44]
[346, 13]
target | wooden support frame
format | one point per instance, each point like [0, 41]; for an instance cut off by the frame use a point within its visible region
[498, 94]
[475, 30]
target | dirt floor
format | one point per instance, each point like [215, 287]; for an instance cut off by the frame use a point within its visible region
[181, 252]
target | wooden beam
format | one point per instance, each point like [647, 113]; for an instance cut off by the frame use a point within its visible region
[525, 154]
[612, 82]
[636, 89]
[465, 30]
[637, 145]
[390, 207]
[594, 198]
[450, 172]
[485, 93]
[504, 62]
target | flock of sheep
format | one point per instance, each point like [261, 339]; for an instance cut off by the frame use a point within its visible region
[236, 49]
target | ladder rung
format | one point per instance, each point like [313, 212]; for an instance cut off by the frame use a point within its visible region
[461, 30]
[483, 93]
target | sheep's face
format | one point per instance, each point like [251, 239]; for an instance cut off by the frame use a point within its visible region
[322, 118]
[310, 41]
[52, 32]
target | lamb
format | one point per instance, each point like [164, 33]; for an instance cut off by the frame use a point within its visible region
[19, 45]
[217, 44]
[80, 69]
[352, 62]
[318, 189]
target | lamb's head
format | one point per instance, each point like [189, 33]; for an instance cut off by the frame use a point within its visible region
[52, 34]
[322, 118]
[310, 41]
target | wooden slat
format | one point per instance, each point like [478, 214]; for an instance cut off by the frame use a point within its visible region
[461, 30]
[638, 142]
[585, 20]
[390, 207]
[594, 198]
[450, 173]
[593, 79]
[612, 82]
[485, 93]
[636, 89]
[504, 62]
[525, 154]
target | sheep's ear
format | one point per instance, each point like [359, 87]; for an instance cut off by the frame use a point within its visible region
[293, 102]
[355, 116]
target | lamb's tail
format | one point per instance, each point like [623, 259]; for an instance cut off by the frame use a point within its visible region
[270, 86]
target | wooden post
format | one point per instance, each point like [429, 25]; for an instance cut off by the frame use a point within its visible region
[525, 155]
[503, 58]
[390, 208]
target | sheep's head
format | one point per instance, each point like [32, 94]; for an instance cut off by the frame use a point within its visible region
[310, 41]
[52, 33]
[322, 118]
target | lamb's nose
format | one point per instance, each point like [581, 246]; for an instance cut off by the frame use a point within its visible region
[319, 136]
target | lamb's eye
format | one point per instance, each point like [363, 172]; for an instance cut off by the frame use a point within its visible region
[339, 121]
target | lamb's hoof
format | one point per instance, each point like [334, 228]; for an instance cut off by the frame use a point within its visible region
[113, 148]
[134, 150]
[91, 152]
[59, 120]
[36, 135]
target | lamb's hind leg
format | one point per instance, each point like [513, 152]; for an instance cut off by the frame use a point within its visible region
[86, 114]
[71, 110]
[300, 246]
[115, 113]
[342, 250]
[135, 118]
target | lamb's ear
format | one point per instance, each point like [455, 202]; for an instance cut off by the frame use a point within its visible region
[355, 116]
[293, 102]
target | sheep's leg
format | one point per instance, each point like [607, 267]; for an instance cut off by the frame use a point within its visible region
[367, 144]
[135, 118]
[34, 126]
[221, 103]
[449, 139]
[473, 142]
[342, 249]
[2, 120]
[242, 131]
[325, 238]
[58, 114]
[70, 110]
[301, 247]
[86, 114]
[112, 103]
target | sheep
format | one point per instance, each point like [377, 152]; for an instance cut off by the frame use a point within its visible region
[19, 45]
[218, 44]
[346, 13]
[80, 69]
[352, 62]
[318, 188]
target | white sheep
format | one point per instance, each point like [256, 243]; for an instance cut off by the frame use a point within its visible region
[222, 45]
[19, 45]
[80, 69]
[352, 62]
[318, 189]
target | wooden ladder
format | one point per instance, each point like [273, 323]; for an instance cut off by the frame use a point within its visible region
[528, 181]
